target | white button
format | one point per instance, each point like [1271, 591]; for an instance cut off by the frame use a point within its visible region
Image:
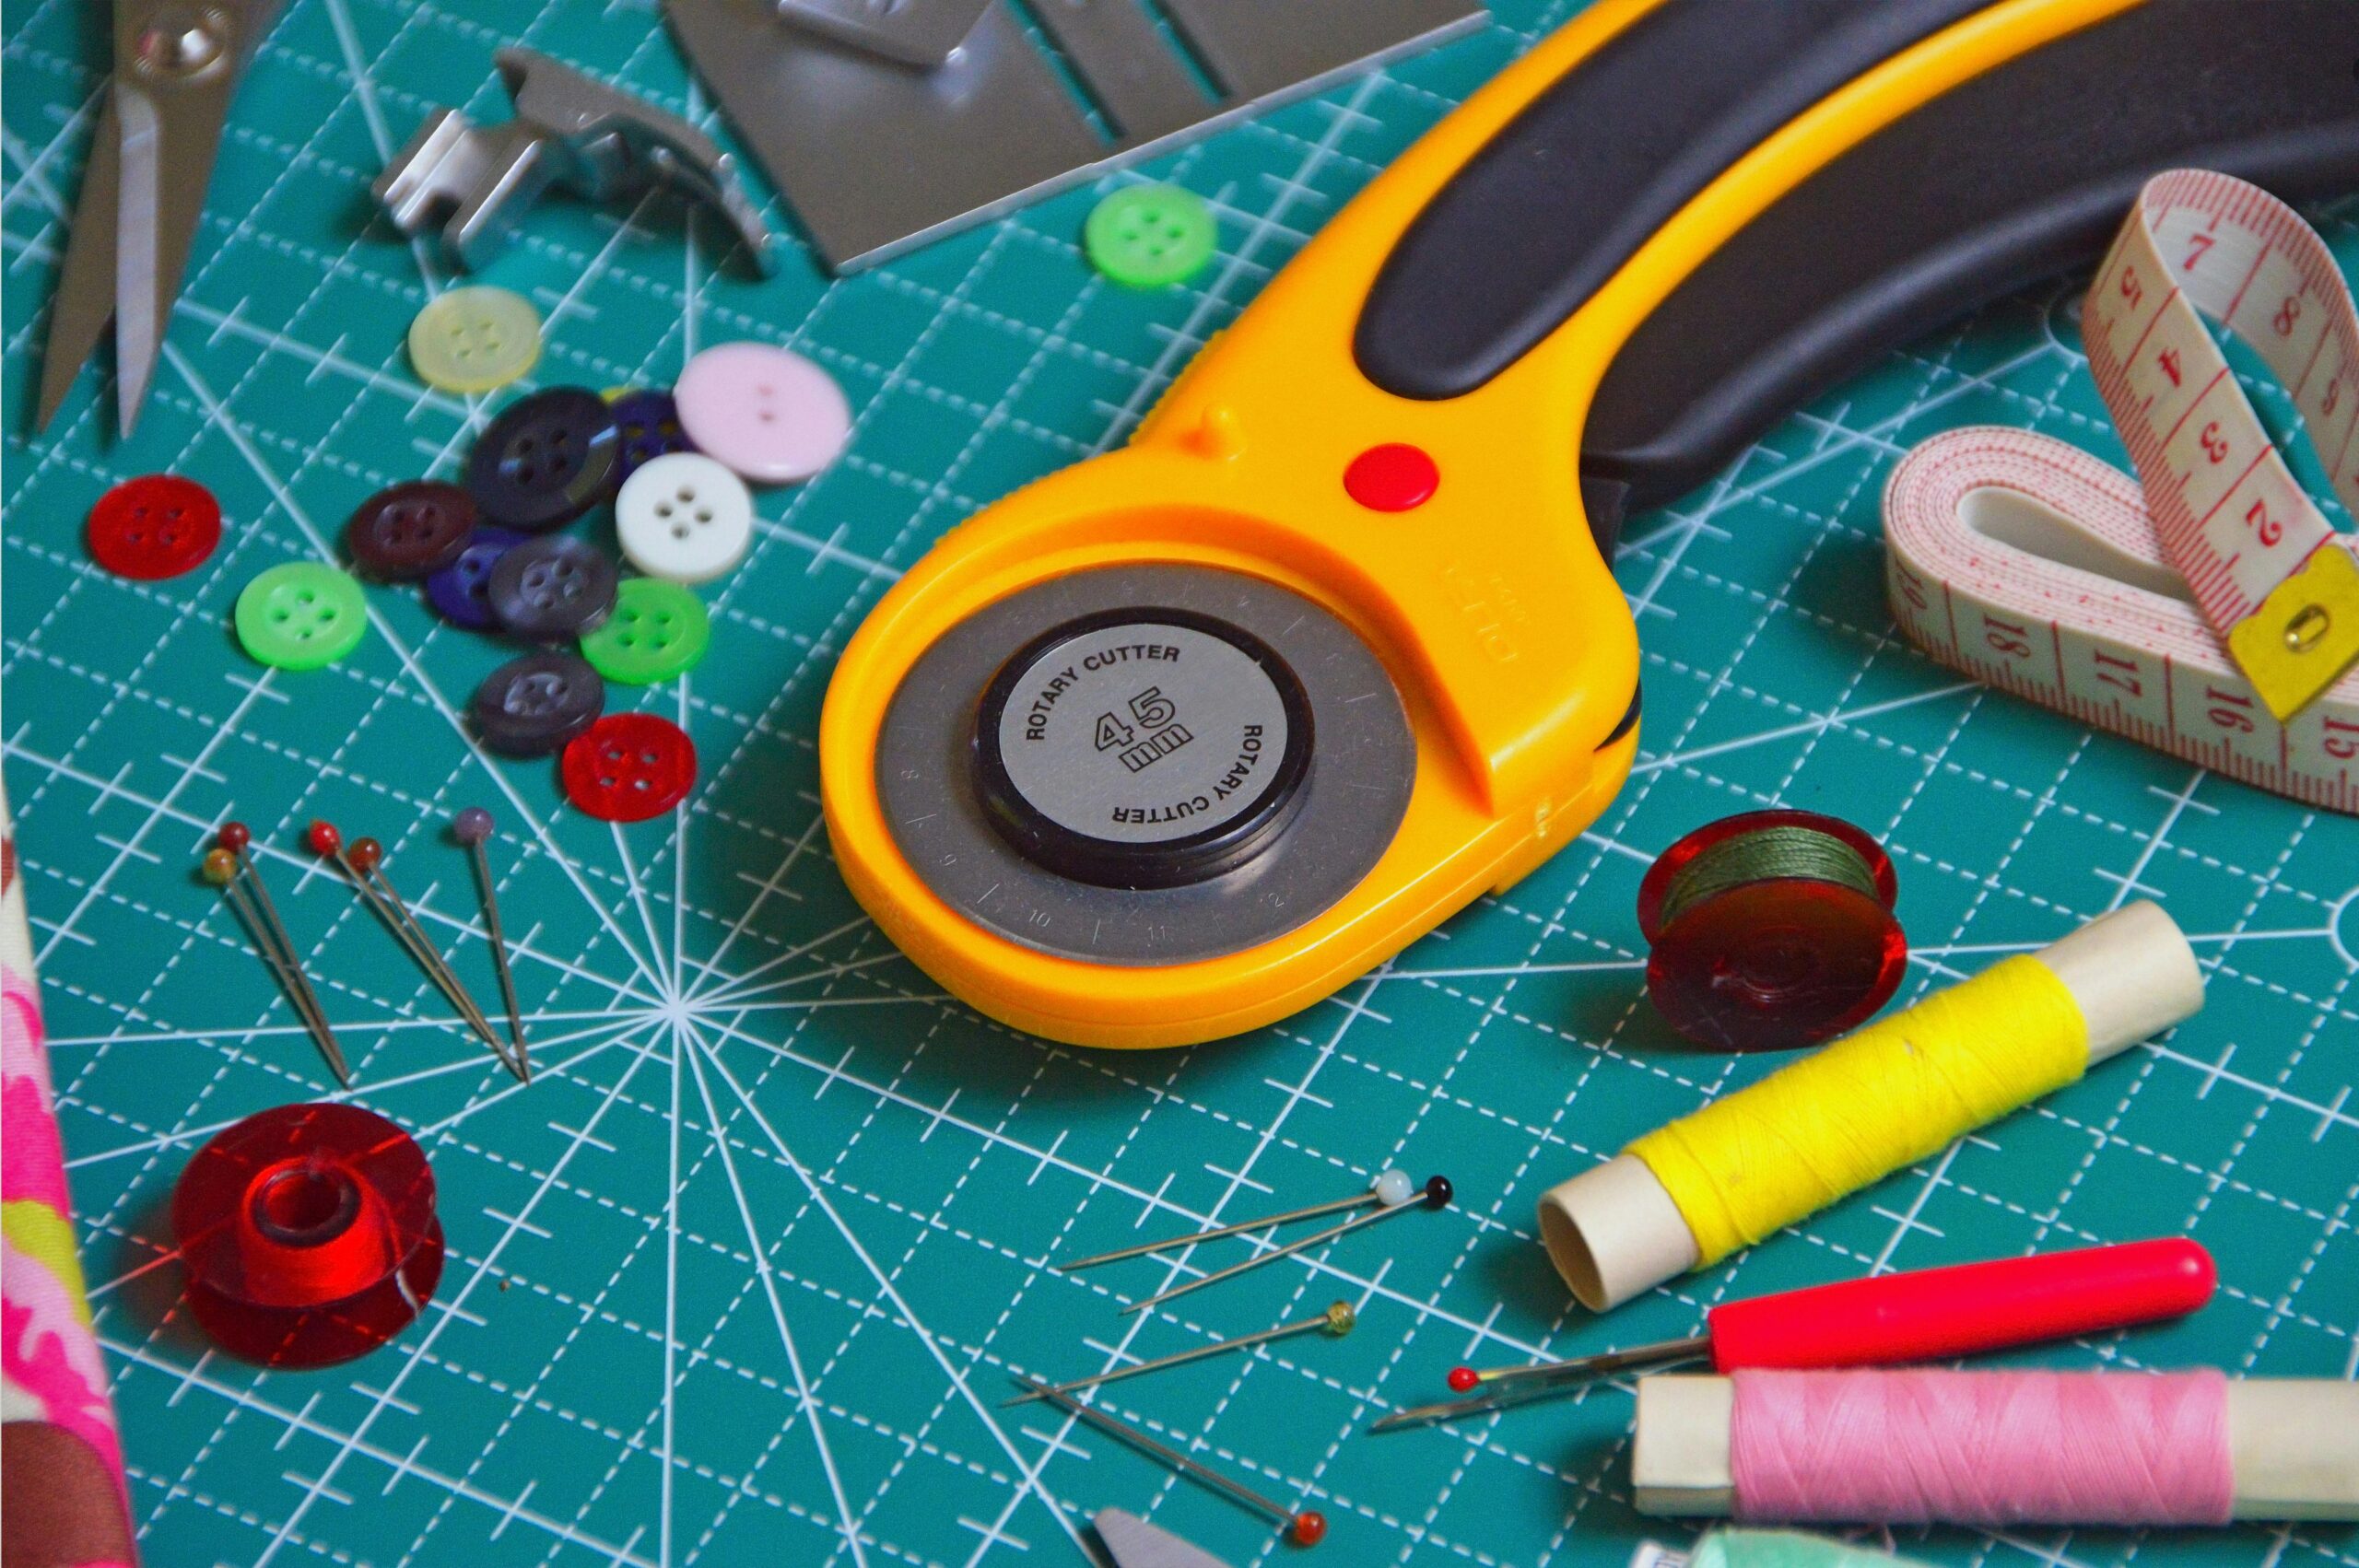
[684, 518]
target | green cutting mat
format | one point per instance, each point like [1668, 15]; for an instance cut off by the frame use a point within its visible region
[755, 1254]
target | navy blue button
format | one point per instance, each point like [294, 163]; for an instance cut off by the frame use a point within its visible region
[461, 592]
[648, 424]
[544, 461]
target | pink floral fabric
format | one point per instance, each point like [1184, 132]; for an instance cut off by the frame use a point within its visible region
[66, 1501]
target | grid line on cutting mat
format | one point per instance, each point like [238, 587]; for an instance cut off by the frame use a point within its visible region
[739, 1279]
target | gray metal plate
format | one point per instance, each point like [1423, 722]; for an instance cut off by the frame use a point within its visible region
[878, 156]
[1362, 767]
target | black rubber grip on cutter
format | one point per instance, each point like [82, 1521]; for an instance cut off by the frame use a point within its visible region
[2010, 177]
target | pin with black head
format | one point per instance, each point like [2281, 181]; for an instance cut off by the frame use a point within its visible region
[1389, 1190]
[1437, 1193]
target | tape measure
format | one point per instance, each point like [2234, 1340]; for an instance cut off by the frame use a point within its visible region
[2034, 567]
[2229, 513]
[2044, 571]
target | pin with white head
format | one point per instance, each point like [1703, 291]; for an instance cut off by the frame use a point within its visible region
[1435, 1194]
[1390, 1189]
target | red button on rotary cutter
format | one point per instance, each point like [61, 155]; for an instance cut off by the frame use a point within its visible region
[1395, 477]
[309, 1235]
[156, 526]
[1771, 930]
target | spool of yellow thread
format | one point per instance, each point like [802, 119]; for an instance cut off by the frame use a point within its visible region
[1746, 1167]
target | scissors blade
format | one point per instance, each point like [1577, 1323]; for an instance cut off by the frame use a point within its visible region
[84, 302]
[144, 190]
[143, 295]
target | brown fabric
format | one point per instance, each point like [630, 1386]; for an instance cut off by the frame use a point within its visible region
[58, 1505]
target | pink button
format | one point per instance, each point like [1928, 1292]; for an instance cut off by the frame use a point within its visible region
[771, 414]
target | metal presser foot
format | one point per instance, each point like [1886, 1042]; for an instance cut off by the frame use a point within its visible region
[571, 133]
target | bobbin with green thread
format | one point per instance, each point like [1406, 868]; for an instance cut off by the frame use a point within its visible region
[1770, 930]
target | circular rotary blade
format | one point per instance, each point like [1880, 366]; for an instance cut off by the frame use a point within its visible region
[1145, 765]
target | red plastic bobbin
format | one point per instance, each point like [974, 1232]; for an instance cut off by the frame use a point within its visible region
[309, 1235]
[1771, 930]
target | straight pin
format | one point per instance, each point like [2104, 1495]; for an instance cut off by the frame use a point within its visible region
[1336, 1321]
[1391, 1188]
[1503, 1386]
[472, 827]
[368, 857]
[1436, 1192]
[224, 867]
[1307, 1527]
[358, 864]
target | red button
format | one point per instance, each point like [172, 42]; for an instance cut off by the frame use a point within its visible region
[1392, 477]
[630, 767]
[155, 527]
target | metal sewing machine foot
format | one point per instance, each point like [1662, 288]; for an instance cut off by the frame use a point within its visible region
[571, 133]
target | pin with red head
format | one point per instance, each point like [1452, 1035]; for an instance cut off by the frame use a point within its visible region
[230, 868]
[363, 862]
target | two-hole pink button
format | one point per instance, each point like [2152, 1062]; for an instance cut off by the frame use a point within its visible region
[768, 413]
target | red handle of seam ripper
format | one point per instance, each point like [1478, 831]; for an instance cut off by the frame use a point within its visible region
[1932, 1314]
[1938, 1313]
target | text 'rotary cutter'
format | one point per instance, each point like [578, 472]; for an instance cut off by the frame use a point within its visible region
[1176, 741]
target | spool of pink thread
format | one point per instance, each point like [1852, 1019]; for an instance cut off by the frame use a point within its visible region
[1998, 1448]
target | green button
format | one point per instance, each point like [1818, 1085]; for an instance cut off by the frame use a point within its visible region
[658, 630]
[301, 616]
[1147, 236]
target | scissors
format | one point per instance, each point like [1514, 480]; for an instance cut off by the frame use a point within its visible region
[177, 65]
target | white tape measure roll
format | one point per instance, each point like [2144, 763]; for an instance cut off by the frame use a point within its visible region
[2028, 564]
[2206, 607]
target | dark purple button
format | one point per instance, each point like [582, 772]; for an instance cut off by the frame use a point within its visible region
[553, 588]
[544, 461]
[531, 706]
[461, 592]
[407, 531]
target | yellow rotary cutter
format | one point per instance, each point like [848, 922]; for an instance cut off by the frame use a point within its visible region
[1177, 740]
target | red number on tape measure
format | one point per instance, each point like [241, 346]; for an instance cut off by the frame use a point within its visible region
[2006, 636]
[2230, 711]
[2119, 674]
